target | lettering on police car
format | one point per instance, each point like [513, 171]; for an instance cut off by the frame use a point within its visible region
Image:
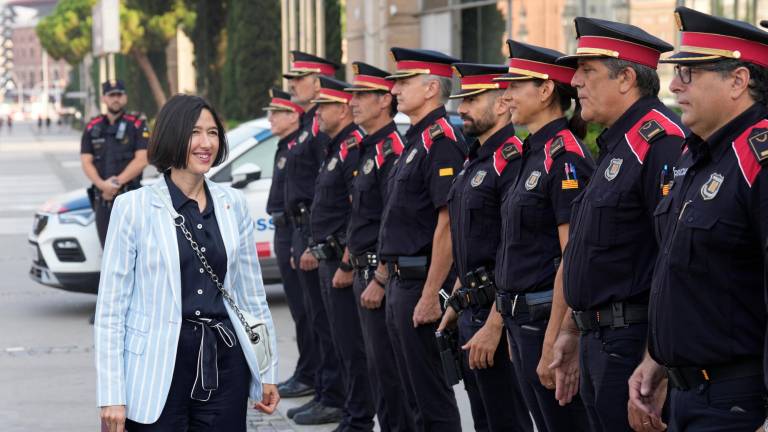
[477, 180]
[281, 163]
[613, 169]
[368, 167]
[332, 164]
[533, 180]
[411, 155]
[710, 189]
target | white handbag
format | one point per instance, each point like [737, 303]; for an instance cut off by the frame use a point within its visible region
[257, 329]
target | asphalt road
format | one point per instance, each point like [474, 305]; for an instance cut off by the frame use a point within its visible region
[46, 343]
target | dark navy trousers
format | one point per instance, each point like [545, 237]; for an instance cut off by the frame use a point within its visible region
[494, 394]
[418, 360]
[329, 385]
[527, 341]
[224, 411]
[725, 406]
[608, 358]
[394, 411]
[348, 339]
[308, 357]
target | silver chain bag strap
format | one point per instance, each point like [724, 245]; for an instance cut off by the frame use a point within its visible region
[257, 329]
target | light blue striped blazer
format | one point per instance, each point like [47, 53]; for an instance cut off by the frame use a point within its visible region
[138, 312]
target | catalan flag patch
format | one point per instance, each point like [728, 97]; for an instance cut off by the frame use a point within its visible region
[665, 189]
[570, 184]
[445, 172]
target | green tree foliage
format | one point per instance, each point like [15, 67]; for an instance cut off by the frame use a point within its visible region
[333, 32]
[209, 38]
[66, 33]
[253, 57]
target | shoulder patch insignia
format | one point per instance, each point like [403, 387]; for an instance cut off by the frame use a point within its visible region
[564, 141]
[386, 147]
[435, 131]
[758, 140]
[751, 148]
[557, 146]
[510, 150]
[392, 144]
[651, 130]
[651, 127]
[440, 128]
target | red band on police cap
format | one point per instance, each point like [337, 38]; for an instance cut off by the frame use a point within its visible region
[439, 69]
[322, 68]
[482, 82]
[373, 82]
[725, 46]
[557, 73]
[288, 104]
[336, 95]
[620, 49]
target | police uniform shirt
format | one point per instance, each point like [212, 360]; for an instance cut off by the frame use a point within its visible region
[378, 153]
[555, 168]
[331, 206]
[420, 181]
[303, 163]
[113, 146]
[276, 199]
[611, 248]
[200, 298]
[707, 300]
[474, 201]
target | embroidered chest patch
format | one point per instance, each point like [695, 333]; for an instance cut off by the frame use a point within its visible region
[710, 189]
[332, 164]
[532, 180]
[281, 163]
[303, 137]
[368, 167]
[411, 155]
[613, 169]
[477, 180]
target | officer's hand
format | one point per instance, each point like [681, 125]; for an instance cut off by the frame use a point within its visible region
[647, 392]
[113, 417]
[449, 319]
[546, 375]
[565, 363]
[308, 262]
[482, 346]
[427, 311]
[372, 296]
[342, 279]
[269, 399]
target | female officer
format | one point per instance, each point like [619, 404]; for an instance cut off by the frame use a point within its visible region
[535, 215]
[171, 354]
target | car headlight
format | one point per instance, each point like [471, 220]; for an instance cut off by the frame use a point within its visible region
[81, 217]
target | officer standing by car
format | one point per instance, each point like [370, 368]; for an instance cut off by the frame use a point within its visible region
[284, 119]
[707, 308]
[474, 202]
[415, 238]
[534, 218]
[611, 250]
[301, 168]
[373, 109]
[329, 219]
[113, 153]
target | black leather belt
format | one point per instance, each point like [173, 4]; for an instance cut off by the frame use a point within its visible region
[365, 260]
[686, 378]
[615, 315]
[517, 305]
[409, 267]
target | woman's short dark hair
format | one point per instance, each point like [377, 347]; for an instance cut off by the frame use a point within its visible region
[563, 95]
[169, 142]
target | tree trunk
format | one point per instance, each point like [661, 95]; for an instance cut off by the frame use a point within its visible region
[151, 76]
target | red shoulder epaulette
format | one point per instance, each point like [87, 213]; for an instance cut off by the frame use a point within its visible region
[94, 121]
[439, 128]
[651, 127]
[751, 148]
[351, 142]
[315, 126]
[392, 144]
[563, 141]
[132, 118]
[510, 150]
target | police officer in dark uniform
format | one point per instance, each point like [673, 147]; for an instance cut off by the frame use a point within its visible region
[284, 118]
[113, 152]
[474, 202]
[707, 308]
[611, 250]
[534, 218]
[373, 109]
[301, 168]
[415, 239]
[329, 216]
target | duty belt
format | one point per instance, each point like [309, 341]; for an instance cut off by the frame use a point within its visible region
[331, 248]
[615, 315]
[523, 304]
[365, 260]
[301, 218]
[686, 378]
[409, 267]
[480, 292]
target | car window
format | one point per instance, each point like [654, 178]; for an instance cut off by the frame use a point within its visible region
[261, 154]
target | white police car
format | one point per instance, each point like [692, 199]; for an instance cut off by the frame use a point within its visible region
[65, 248]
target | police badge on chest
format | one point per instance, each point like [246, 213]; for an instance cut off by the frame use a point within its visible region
[712, 186]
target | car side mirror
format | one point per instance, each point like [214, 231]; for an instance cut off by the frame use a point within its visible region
[246, 173]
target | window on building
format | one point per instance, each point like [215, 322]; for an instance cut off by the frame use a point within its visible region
[482, 35]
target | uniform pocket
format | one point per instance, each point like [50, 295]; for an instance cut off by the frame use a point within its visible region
[602, 220]
[661, 218]
[694, 239]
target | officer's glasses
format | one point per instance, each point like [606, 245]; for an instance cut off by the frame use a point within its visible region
[685, 73]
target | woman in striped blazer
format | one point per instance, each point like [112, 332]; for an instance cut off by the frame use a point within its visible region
[171, 354]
